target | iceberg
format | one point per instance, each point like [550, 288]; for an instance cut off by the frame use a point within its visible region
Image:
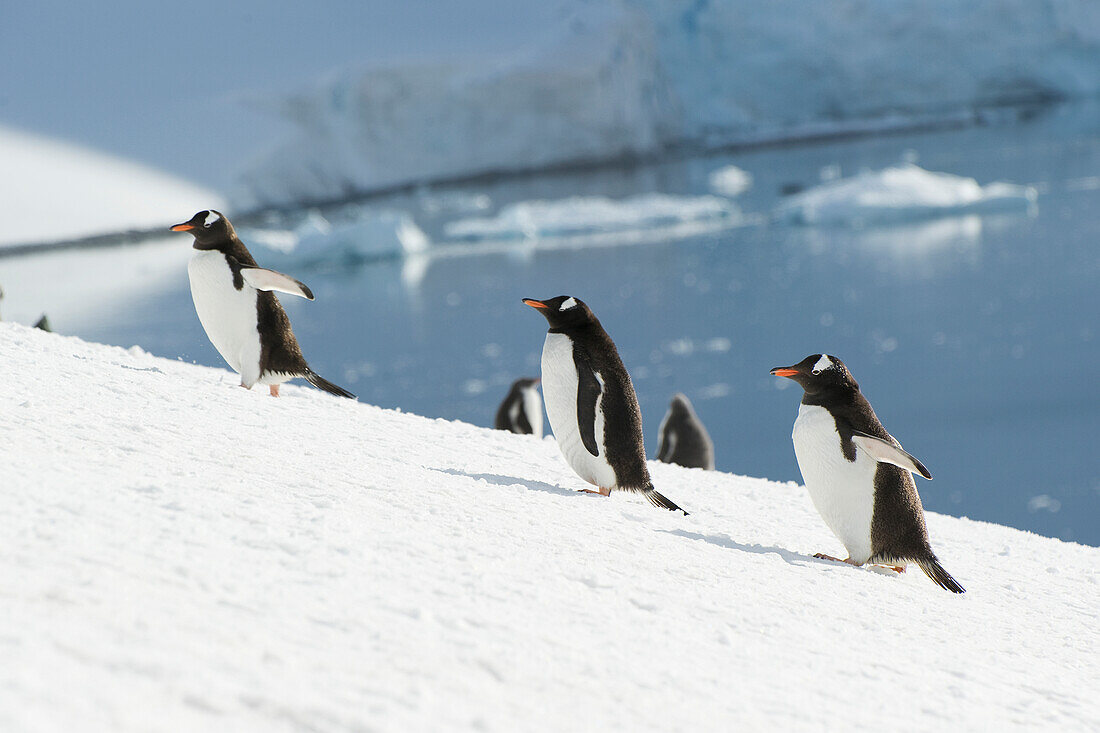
[617, 80]
[590, 90]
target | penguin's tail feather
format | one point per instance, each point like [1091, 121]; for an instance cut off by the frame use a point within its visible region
[321, 383]
[658, 499]
[932, 568]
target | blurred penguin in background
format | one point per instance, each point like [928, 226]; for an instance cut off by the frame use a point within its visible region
[683, 439]
[521, 410]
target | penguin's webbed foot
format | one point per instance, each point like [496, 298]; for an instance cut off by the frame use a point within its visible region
[602, 491]
[274, 388]
[850, 561]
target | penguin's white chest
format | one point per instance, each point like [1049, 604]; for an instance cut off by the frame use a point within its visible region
[532, 407]
[843, 491]
[559, 390]
[228, 315]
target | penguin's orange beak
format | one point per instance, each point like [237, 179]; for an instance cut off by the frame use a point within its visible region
[182, 227]
[535, 303]
[784, 372]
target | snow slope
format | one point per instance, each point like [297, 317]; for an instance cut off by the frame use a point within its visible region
[51, 190]
[182, 554]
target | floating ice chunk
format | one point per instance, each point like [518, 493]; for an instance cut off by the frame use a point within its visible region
[452, 202]
[586, 215]
[1044, 502]
[898, 194]
[730, 181]
[371, 235]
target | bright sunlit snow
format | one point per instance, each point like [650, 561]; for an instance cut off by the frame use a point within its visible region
[182, 554]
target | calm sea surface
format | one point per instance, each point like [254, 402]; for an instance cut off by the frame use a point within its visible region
[976, 339]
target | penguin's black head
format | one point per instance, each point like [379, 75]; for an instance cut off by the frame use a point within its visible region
[563, 312]
[524, 383]
[210, 228]
[818, 373]
[680, 404]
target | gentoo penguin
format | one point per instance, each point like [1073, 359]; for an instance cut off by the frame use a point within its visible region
[858, 475]
[591, 403]
[521, 411]
[238, 309]
[683, 439]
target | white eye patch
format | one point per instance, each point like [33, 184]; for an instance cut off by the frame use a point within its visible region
[211, 218]
[570, 303]
[822, 364]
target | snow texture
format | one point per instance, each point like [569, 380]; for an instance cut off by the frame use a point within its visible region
[182, 554]
[617, 79]
[901, 194]
[52, 190]
[584, 215]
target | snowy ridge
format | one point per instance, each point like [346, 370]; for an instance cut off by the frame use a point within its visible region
[186, 555]
[54, 190]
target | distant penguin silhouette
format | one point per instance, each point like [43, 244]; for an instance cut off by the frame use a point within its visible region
[859, 477]
[236, 304]
[521, 410]
[591, 402]
[44, 324]
[683, 439]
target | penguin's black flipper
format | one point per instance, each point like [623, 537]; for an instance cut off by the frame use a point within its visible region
[321, 383]
[932, 568]
[588, 391]
[658, 499]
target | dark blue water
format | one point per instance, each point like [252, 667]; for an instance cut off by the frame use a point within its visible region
[975, 340]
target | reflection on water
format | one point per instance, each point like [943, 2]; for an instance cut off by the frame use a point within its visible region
[974, 338]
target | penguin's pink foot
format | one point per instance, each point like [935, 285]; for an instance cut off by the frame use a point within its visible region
[601, 492]
[850, 561]
[274, 390]
[244, 386]
[896, 568]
